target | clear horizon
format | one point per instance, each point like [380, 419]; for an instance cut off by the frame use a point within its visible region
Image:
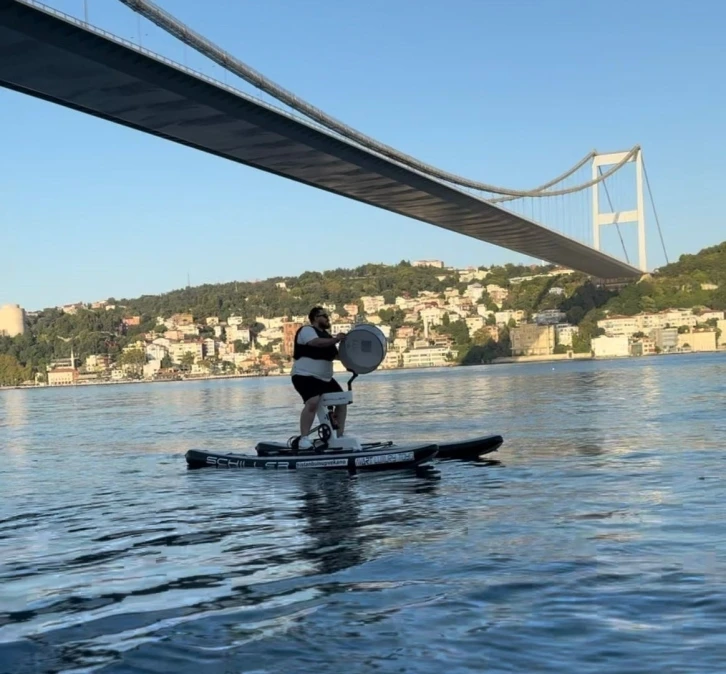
[94, 210]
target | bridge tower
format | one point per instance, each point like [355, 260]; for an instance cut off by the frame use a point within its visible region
[600, 219]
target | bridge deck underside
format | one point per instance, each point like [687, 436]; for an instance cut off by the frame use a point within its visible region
[46, 57]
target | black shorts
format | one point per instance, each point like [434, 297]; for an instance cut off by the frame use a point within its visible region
[309, 387]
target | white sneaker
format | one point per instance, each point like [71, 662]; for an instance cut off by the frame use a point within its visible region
[304, 443]
[351, 438]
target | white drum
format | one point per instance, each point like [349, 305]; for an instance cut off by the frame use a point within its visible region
[363, 349]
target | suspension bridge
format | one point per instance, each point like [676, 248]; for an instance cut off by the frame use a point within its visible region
[55, 57]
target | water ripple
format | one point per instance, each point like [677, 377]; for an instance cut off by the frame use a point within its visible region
[594, 543]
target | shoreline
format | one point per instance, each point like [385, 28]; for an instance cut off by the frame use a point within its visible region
[506, 360]
[563, 357]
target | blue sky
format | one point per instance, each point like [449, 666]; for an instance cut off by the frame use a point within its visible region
[507, 91]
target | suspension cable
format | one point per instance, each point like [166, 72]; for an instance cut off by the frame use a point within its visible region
[655, 212]
[535, 190]
[170, 24]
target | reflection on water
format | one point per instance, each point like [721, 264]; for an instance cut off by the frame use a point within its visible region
[13, 419]
[595, 543]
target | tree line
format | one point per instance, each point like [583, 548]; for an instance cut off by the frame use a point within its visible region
[52, 333]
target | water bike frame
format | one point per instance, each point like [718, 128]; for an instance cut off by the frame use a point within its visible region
[327, 429]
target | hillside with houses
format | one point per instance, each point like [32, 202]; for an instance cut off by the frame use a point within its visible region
[433, 315]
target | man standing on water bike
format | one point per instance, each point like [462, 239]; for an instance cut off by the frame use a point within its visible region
[312, 371]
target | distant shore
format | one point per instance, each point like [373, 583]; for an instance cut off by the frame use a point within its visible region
[564, 357]
[172, 380]
[508, 360]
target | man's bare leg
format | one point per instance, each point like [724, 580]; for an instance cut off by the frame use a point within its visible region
[307, 416]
